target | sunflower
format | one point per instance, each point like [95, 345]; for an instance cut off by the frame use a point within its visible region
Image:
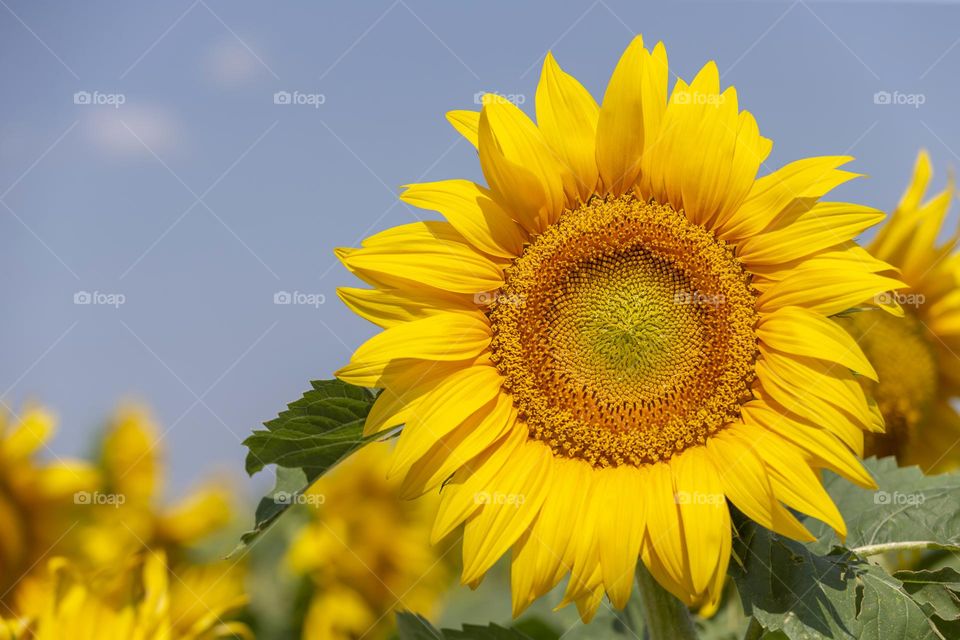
[124, 521]
[366, 552]
[66, 599]
[620, 333]
[916, 356]
[36, 499]
[128, 518]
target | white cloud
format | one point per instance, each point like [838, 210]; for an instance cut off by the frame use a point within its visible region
[132, 130]
[228, 63]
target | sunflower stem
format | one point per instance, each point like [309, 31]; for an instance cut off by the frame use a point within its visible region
[664, 616]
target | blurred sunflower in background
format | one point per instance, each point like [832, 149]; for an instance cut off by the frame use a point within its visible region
[625, 328]
[109, 541]
[68, 603]
[916, 356]
[36, 499]
[366, 552]
[128, 516]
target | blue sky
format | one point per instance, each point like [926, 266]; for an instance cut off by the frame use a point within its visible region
[143, 159]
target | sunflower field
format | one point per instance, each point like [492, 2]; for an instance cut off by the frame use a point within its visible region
[637, 376]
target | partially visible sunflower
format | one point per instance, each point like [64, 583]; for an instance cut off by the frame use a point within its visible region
[366, 552]
[916, 357]
[128, 520]
[131, 516]
[36, 499]
[67, 603]
[625, 328]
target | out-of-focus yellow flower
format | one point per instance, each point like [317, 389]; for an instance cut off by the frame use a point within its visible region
[36, 499]
[67, 604]
[124, 519]
[367, 552]
[916, 356]
[125, 515]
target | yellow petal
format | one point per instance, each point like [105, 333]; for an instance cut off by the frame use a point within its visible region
[621, 528]
[745, 481]
[567, 117]
[467, 124]
[390, 307]
[425, 253]
[791, 477]
[521, 144]
[622, 127]
[825, 225]
[513, 499]
[445, 408]
[441, 337]
[807, 333]
[703, 514]
[803, 180]
[823, 446]
[479, 431]
[472, 211]
[458, 498]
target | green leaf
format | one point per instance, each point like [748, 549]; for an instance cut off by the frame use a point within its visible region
[938, 593]
[411, 626]
[305, 441]
[823, 589]
[908, 507]
[788, 588]
[315, 432]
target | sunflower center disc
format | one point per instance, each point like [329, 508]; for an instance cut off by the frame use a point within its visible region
[625, 333]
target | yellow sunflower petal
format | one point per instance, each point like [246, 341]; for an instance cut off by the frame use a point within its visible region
[514, 497]
[473, 212]
[462, 496]
[620, 530]
[444, 409]
[567, 117]
[807, 333]
[803, 180]
[632, 107]
[826, 224]
[441, 337]
[467, 124]
[390, 307]
[461, 445]
[703, 514]
[418, 255]
[792, 479]
[520, 142]
[747, 484]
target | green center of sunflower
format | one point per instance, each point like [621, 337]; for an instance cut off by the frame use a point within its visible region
[906, 363]
[625, 333]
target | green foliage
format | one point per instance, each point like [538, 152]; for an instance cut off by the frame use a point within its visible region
[413, 627]
[834, 589]
[305, 441]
